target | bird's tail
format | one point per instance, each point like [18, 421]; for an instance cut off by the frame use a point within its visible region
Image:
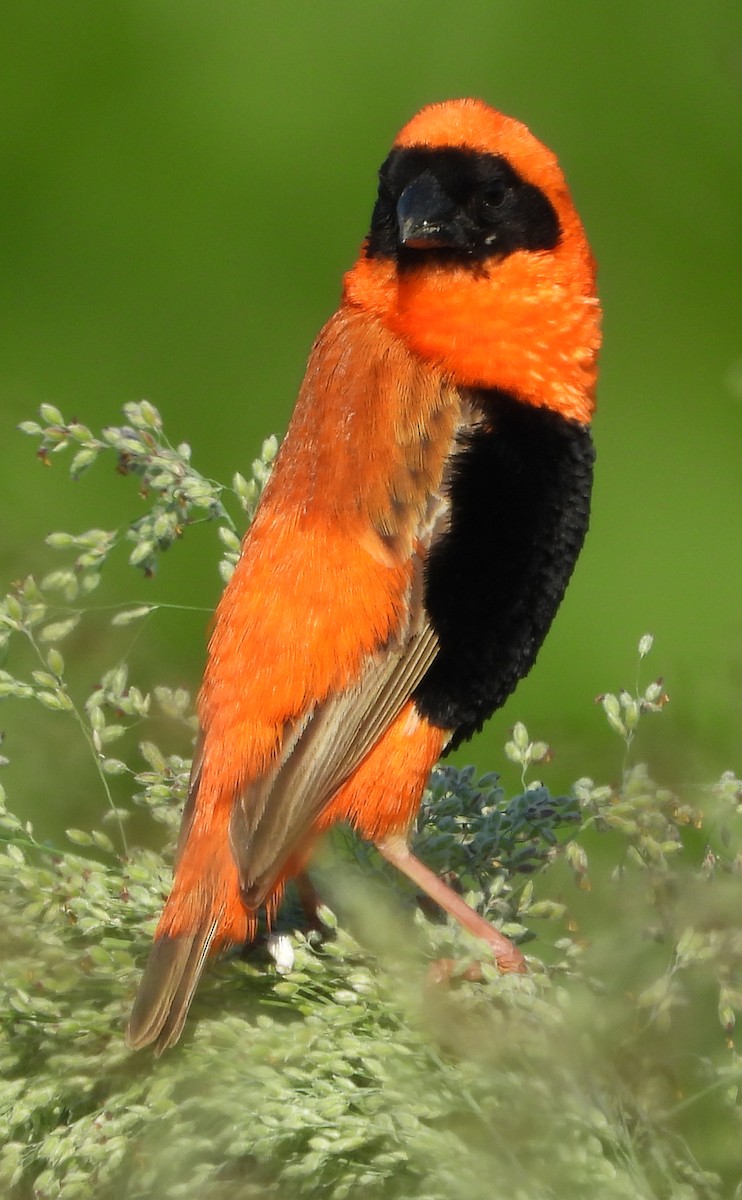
[203, 914]
[165, 993]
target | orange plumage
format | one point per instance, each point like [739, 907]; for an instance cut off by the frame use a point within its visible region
[460, 365]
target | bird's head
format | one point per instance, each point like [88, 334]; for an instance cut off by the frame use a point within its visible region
[477, 258]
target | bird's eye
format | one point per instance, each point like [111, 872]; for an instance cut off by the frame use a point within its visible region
[492, 197]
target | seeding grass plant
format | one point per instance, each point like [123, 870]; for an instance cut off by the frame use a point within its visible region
[610, 1070]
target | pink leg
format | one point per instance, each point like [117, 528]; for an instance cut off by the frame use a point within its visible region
[396, 851]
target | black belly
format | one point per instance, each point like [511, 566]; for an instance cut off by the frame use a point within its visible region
[520, 504]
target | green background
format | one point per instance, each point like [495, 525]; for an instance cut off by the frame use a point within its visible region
[184, 185]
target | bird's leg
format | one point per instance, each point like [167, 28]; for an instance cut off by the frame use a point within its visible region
[396, 851]
[310, 900]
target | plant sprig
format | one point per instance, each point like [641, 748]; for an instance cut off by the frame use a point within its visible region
[356, 1075]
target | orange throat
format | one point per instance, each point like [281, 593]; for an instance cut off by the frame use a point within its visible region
[517, 324]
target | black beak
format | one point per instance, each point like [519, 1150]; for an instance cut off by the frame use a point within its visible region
[425, 215]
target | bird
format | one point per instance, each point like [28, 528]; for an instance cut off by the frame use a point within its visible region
[411, 547]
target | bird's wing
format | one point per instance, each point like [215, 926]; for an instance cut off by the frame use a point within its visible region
[322, 636]
[274, 813]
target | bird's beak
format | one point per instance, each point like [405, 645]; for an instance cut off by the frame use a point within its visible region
[425, 215]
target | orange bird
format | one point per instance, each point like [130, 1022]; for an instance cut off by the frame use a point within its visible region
[411, 547]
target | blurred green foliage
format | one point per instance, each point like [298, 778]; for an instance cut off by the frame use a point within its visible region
[184, 184]
[610, 1072]
[392, 1064]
